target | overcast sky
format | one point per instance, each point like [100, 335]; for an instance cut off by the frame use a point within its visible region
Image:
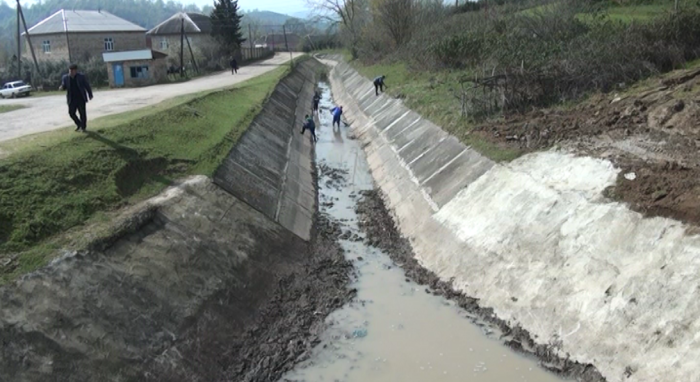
[279, 6]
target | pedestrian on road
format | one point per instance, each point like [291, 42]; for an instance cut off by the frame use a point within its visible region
[337, 113]
[379, 84]
[317, 99]
[78, 92]
[309, 125]
[234, 66]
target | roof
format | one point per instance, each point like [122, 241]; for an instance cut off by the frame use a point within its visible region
[65, 21]
[194, 23]
[132, 55]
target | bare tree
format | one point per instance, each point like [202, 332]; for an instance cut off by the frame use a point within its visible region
[397, 17]
[348, 13]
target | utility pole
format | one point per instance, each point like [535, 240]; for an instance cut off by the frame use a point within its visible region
[286, 45]
[29, 40]
[250, 40]
[182, 43]
[65, 29]
[19, 46]
[194, 62]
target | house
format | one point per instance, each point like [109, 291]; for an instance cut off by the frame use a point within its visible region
[78, 36]
[276, 42]
[165, 37]
[136, 68]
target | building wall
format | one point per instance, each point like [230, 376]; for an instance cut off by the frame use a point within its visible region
[157, 72]
[59, 48]
[84, 46]
[200, 44]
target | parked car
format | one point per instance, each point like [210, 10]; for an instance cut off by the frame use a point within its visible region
[15, 89]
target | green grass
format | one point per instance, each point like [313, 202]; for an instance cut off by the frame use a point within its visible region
[433, 96]
[9, 108]
[638, 12]
[53, 183]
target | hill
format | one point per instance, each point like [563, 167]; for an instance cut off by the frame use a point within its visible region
[267, 17]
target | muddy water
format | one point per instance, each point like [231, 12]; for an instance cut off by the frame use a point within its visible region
[394, 330]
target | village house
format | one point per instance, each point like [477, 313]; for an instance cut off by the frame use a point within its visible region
[135, 68]
[78, 36]
[165, 37]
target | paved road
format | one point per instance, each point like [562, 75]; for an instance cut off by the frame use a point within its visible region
[50, 113]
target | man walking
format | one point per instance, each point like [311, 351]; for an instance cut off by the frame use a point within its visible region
[309, 125]
[337, 112]
[78, 91]
[234, 66]
[379, 84]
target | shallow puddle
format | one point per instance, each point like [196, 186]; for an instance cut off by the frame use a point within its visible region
[394, 330]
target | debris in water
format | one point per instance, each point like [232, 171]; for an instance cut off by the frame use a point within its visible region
[630, 176]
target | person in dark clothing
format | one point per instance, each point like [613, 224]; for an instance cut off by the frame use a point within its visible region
[311, 126]
[78, 92]
[234, 66]
[379, 84]
[317, 99]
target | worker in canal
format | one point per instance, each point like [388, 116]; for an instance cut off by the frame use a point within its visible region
[379, 84]
[310, 125]
[316, 100]
[337, 113]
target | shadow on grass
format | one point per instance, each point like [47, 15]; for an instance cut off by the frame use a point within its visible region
[138, 171]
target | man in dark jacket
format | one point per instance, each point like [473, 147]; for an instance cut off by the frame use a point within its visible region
[78, 91]
[379, 84]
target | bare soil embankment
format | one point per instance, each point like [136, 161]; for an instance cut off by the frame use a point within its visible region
[651, 132]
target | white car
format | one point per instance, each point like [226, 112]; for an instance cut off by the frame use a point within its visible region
[15, 89]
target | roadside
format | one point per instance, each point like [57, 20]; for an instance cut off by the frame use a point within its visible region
[66, 191]
[9, 108]
[49, 113]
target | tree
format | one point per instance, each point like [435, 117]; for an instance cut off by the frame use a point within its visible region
[349, 13]
[294, 25]
[226, 25]
[397, 17]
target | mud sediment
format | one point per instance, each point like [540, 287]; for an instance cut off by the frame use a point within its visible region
[381, 232]
[262, 347]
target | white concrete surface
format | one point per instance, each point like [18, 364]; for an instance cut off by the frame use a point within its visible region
[536, 241]
[49, 113]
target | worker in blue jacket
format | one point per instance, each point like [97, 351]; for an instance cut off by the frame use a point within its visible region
[337, 113]
[379, 84]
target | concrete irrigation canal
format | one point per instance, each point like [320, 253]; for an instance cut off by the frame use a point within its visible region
[386, 251]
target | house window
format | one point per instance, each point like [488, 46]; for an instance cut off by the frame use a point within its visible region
[46, 46]
[139, 71]
[164, 43]
[109, 44]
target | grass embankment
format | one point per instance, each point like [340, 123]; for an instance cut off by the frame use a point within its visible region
[52, 183]
[9, 108]
[432, 94]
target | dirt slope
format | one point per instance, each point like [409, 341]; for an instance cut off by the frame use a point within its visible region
[651, 132]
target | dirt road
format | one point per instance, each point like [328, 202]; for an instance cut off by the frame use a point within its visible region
[49, 113]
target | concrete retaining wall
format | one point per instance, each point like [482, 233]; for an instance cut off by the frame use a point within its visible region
[536, 241]
[271, 166]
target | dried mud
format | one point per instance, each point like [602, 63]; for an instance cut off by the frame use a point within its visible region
[653, 132]
[222, 347]
[381, 232]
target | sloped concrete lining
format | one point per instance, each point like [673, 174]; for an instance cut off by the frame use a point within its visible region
[271, 166]
[536, 241]
[112, 315]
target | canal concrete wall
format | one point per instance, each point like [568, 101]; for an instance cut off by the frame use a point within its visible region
[271, 166]
[176, 289]
[536, 241]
